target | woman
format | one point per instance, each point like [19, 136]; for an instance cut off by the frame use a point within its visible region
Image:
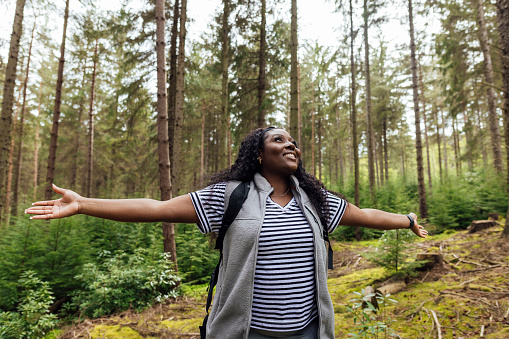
[273, 279]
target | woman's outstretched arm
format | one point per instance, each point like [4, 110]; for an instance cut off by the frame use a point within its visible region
[380, 220]
[179, 209]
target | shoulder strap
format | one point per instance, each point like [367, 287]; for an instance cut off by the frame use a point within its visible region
[235, 202]
[237, 198]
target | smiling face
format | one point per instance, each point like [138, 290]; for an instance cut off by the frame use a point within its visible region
[280, 154]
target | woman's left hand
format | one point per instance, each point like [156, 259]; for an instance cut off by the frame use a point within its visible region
[418, 229]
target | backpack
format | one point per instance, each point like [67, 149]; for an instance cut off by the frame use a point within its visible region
[237, 198]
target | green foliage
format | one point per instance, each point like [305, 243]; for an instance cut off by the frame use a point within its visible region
[32, 319]
[122, 281]
[196, 258]
[459, 200]
[390, 251]
[370, 322]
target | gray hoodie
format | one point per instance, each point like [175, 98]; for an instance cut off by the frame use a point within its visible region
[230, 316]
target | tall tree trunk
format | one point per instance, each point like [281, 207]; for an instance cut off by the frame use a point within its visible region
[479, 131]
[10, 161]
[339, 146]
[438, 144]
[386, 153]
[21, 130]
[490, 87]
[456, 146]
[162, 129]
[313, 164]
[370, 138]
[202, 143]
[423, 99]
[36, 145]
[7, 102]
[423, 208]
[445, 143]
[381, 161]
[224, 92]
[319, 130]
[375, 160]
[172, 92]
[56, 112]
[262, 65]
[299, 111]
[355, 146]
[90, 153]
[503, 30]
[77, 140]
[179, 103]
[294, 91]
[468, 138]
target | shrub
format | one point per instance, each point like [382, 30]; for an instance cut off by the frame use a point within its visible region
[124, 281]
[390, 252]
[32, 319]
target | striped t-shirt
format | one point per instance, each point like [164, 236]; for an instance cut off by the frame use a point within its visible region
[284, 286]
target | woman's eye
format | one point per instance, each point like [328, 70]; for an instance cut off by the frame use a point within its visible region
[278, 139]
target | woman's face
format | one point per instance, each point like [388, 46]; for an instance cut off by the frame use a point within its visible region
[280, 154]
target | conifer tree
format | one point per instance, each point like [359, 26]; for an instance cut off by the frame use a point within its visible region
[56, 112]
[8, 100]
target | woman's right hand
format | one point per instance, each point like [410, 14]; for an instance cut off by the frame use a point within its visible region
[64, 207]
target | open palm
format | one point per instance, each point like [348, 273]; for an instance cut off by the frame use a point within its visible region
[66, 206]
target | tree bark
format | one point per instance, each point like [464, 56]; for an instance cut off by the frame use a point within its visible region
[179, 103]
[90, 153]
[386, 153]
[172, 92]
[56, 112]
[262, 65]
[313, 163]
[294, 91]
[445, 143]
[355, 145]
[490, 88]
[423, 208]
[77, 141]
[299, 111]
[503, 30]
[423, 99]
[202, 143]
[370, 137]
[36, 146]
[162, 129]
[10, 161]
[438, 144]
[224, 92]
[7, 102]
[21, 130]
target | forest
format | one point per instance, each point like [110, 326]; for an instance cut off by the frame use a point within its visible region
[126, 104]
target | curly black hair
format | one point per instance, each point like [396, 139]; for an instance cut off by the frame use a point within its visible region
[247, 164]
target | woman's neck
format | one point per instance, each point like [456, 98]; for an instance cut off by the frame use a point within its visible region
[280, 183]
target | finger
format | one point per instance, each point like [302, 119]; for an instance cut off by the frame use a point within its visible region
[58, 189]
[45, 203]
[33, 210]
[39, 212]
[44, 216]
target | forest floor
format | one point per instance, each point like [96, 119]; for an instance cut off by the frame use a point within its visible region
[467, 296]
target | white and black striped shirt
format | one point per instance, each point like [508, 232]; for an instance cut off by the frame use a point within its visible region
[284, 287]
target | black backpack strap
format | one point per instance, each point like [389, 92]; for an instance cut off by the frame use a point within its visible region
[330, 254]
[237, 198]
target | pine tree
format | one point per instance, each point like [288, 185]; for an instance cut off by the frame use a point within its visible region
[7, 102]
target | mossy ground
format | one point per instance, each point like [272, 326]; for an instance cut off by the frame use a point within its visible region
[469, 294]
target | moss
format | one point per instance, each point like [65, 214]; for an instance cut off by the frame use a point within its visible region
[53, 334]
[341, 288]
[480, 288]
[114, 332]
[183, 325]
